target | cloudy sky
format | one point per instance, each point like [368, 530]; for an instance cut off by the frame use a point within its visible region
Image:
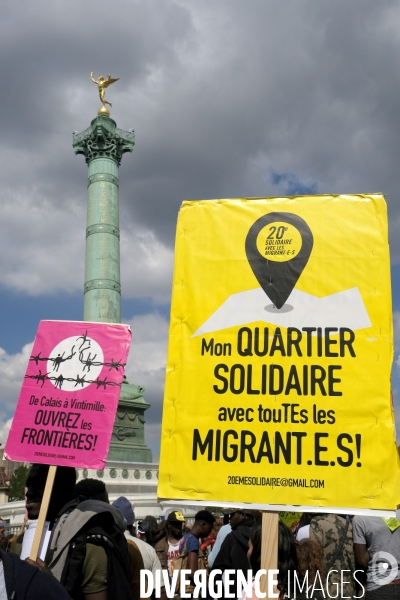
[228, 98]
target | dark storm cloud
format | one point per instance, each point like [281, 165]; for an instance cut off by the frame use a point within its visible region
[303, 88]
[221, 95]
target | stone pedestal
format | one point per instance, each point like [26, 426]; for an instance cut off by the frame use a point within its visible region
[128, 434]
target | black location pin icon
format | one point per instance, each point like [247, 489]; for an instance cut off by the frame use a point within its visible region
[278, 247]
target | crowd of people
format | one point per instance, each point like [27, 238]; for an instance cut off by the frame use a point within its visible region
[91, 550]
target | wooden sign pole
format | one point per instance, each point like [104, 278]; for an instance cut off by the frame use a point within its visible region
[43, 512]
[269, 547]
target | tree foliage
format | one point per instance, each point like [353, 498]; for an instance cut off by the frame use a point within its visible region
[16, 489]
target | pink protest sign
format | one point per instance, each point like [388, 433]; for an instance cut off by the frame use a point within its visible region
[66, 409]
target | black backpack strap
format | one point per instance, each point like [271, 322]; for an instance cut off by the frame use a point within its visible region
[72, 575]
[101, 529]
[116, 547]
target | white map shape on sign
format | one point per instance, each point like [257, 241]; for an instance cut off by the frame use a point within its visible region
[344, 309]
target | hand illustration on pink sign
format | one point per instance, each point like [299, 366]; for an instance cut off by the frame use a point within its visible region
[66, 409]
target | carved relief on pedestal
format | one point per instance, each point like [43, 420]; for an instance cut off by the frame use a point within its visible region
[125, 425]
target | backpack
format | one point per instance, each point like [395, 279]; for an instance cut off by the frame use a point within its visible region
[181, 562]
[89, 522]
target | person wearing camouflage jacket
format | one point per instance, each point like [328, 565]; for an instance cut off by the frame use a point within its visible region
[334, 534]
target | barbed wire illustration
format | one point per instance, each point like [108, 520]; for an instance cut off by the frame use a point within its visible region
[57, 361]
[39, 377]
[58, 381]
[90, 362]
[84, 340]
[87, 362]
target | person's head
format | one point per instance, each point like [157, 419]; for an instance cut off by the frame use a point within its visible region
[287, 557]
[150, 518]
[174, 524]
[217, 526]
[91, 489]
[203, 523]
[237, 515]
[310, 558]
[257, 515]
[254, 551]
[64, 483]
[141, 534]
[159, 532]
[125, 507]
[145, 529]
[306, 518]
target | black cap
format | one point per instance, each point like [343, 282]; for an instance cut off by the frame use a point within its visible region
[245, 511]
[176, 515]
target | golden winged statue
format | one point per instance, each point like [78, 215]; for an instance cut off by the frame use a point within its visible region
[102, 84]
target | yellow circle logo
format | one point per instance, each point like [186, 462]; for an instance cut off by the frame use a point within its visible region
[279, 241]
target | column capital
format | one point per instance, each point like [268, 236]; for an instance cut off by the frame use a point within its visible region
[103, 139]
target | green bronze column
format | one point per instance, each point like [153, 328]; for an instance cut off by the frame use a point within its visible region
[103, 145]
[102, 291]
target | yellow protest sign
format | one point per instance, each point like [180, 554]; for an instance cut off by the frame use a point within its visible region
[291, 519]
[280, 353]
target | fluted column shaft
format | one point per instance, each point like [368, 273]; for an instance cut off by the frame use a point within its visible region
[103, 145]
[102, 291]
